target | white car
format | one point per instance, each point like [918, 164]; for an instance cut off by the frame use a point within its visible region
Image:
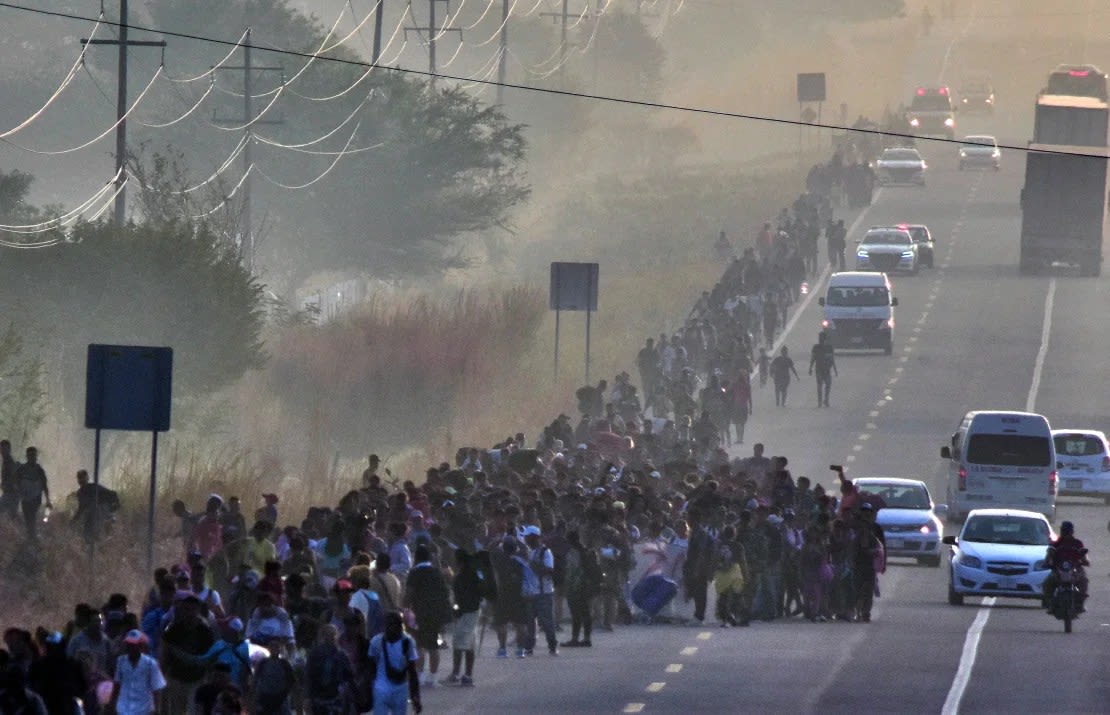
[910, 521]
[887, 249]
[900, 165]
[980, 150]
[1082, 463]
[999, 552]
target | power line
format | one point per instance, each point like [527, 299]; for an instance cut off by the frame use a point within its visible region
[570, 94]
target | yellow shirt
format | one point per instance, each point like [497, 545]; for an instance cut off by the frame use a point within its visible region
[259, 552]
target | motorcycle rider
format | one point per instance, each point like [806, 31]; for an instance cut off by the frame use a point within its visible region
[1066, 548]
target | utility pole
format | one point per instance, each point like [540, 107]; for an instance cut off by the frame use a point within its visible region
[562, 18]
[433, 31]
[248, 68]
[378, 32]
[503, 59]
[120, 213]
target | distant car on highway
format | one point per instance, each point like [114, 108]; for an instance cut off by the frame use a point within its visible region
[976, 94]
[910, 521]
[932, 113]
[900, 165]
[926, 247]
[887, 249]
[999, 552]
[1082, 463]
[980, 150]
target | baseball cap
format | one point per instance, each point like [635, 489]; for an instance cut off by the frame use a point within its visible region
[531, 530]
[272, 498]
[135, 637]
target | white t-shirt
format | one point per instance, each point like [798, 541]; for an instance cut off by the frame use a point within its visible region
[395, 655]
[137, 685]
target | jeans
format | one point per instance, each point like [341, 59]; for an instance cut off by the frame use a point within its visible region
[31, 514]
[542, 610]
[391, 700]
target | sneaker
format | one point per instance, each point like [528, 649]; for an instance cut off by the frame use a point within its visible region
[502, 653]
[452, 679]
[466, 681]
[520, 652]
[553, 651]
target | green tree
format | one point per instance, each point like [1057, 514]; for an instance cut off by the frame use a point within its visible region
[160, 282]
[22, 392]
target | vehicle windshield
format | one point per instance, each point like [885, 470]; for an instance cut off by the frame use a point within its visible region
[898, 496]
[886, 238]
[858, 297]
[931, 103]
[1077, 445]
[901, 155]
[1009, 450]
[1018, 530]
[972, 142]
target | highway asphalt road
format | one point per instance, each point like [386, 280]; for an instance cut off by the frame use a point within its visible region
[968, 336]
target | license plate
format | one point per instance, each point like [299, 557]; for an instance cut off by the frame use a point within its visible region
[1007, 583]
[1073, 483]
[857, 340]
[895, 543]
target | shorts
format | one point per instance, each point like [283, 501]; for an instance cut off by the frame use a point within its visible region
[427, 638]
[464, 633]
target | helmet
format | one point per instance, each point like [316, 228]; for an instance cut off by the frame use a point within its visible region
[1067, 528]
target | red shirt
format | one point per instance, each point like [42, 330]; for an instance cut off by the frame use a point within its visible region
[1068, 548]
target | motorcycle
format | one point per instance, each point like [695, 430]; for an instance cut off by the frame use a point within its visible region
[1067, 599]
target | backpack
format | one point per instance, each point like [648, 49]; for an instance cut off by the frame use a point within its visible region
[393, 675]
[375, 613]
[273, 681]
[529, 582]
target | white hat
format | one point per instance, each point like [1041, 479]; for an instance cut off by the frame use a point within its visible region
[531, 530]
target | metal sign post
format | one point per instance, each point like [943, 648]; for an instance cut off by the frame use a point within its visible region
[574, 286]
[129, 387]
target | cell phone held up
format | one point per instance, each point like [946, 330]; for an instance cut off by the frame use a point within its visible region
[836, 467]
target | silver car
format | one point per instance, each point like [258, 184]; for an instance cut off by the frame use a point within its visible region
[1082, 463]
[887, 249]
[900, 165]
[912, 524]
[1000, 552]
[980, 151]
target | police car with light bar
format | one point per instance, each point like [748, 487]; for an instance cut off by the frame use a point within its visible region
[932, 112]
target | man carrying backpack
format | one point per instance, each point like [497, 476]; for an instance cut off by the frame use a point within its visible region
[542, 562]
[393, 668]
[274, 679]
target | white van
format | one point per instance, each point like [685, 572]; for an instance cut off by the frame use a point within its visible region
[859, 311]
[1001, 460]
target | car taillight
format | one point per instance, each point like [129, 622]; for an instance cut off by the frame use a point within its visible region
[1106, 464]
[963, 479]
[1052, 483]
[824, 323]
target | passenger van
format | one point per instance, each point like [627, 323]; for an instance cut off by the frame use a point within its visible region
[1001, 460]
[859, 311]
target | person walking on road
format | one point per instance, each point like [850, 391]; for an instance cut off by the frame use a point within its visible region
[822, 359]
[837, 238]
[781, 369]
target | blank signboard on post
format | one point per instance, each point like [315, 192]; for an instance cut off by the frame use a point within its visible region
[811, 87]
[574, 286]
[128, 387]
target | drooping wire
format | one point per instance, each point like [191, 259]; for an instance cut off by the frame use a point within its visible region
[257, 117]
[106, 132]
[219, 170]
[55, 241]
[489, 6]
[342, 124]
[52, 223]
[212, 70]
[186, 115]
[61, 87]
[504, 21]
[229, 197]
[355, 31]
[485, 73]
[334, 163]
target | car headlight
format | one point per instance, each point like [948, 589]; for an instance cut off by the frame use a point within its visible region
[949, 122]
[907, 254]
[972, 562]
[861, 254]
[965, 100]
[928, 528]
[963, 154]
[915, 122]
[996, 154]
[990, 100]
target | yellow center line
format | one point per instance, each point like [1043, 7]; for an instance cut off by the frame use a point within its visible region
[689, 650]
[674, 668]
[655, 687]
[633, 708]
[704, 636]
